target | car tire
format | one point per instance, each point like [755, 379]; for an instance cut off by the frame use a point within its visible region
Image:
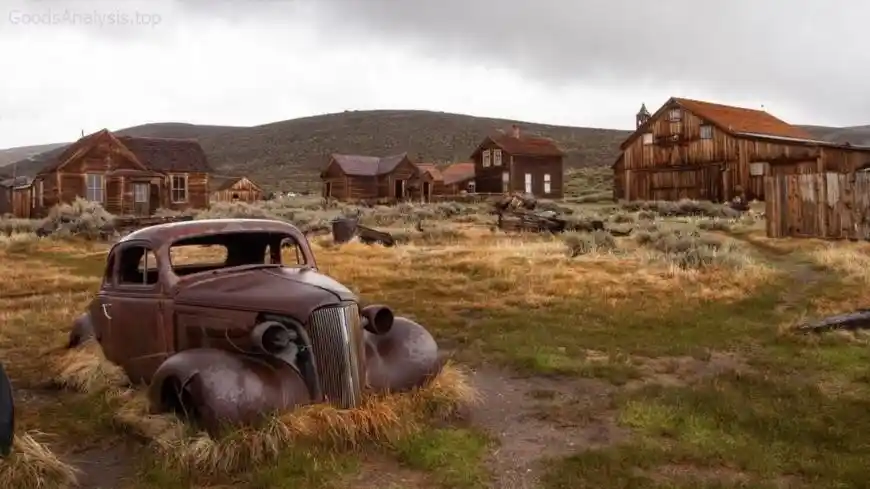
[7, 414]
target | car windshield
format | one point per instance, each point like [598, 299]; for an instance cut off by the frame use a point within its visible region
[235, 250]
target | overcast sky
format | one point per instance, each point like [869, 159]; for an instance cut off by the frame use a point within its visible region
[66, 66]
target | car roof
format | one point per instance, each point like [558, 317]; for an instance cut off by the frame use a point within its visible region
[168, 233]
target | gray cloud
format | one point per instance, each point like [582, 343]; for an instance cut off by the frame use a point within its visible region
[804, 53]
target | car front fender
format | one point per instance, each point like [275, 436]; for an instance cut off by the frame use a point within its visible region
[82, 330]
[402, 359]
[219, 387]
[7, 414]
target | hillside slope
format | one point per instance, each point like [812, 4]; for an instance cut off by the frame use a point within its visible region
[289, 154]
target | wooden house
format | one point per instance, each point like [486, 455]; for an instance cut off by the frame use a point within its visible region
[690, 149]
[428, 182]
[368, 178]
[517, 163]
[17, 197]
[126, 175]
[234, 189]
[459, 178]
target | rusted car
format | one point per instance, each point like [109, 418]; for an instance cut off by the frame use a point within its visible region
[7, 414]
[228, 319]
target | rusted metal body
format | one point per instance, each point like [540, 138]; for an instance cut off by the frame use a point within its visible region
[7, 413]
[252, 333]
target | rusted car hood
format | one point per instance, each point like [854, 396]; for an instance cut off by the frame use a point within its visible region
[289, 291]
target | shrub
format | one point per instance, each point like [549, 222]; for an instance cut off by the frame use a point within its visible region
[80, 218]
[682, 208]
[691, 250]
[585, 243]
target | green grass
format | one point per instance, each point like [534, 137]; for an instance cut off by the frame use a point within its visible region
[453, 455]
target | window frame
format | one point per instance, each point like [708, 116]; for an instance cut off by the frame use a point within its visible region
[548, 184]
[706, 131]
[505, 181]
[757, 164]
[647, 138]
[101, 188]
[136, 187]
[486, 161]
[675, 114]
[527, 182]
[496, 157]
[117, 273]
[173, 189]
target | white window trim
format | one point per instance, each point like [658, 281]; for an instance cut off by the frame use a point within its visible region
[647, 138]
[496, 157]
[137, 186]
[486, 158]
[528, 182]
[548, 188]
[709, 129]
[101, 188]
[172, 188]
[675, 114]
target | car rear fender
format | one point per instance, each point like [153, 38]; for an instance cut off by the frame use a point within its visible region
[401, 359]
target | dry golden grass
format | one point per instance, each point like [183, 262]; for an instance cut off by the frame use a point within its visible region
[33, 466]
[382, 419]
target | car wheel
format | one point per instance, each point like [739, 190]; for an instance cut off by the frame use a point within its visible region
[7, 414]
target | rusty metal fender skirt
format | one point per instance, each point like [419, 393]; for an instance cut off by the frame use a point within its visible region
[226, 388]
[404, 358]
[7, 414]
[82, 329]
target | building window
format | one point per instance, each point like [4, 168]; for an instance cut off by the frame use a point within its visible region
[505, 182]
[496, 157]
[140, 193]
[647, 139]
[486, 156]
[470, 187]
[706, 131]
[94, 187]
[756, 169]
[675, 115]
[547, 184]
[528, 183]
[178, 188]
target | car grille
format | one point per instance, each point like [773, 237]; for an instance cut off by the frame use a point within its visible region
[337, 340]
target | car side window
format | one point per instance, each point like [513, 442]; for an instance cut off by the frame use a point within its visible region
[137, 266]
[286, 252]
[109, 273]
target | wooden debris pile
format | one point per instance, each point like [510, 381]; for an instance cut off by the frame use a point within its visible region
[519, 212]
[347, 228]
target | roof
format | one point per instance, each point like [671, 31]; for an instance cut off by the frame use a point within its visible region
[15, 182]
[171, 232]
[739, 120]
[523, 145]
[367, 166]
[458, 172]
[430, 169]
[222, 182]
[160, 154]
[168, 155]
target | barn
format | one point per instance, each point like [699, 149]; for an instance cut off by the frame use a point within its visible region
[368, 178]
[234, 189]
[690, 149]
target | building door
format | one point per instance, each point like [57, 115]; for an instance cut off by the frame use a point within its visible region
[141, 199]
[427, 191]
[154, 198]
[327, 190]
[505, 182]
[399, 189]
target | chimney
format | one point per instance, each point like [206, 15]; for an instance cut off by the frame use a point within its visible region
[515, 131]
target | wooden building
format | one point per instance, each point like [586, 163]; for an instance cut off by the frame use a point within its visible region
[428, 183]
[16, 197]
[234, 189]
[517, 163]
[690, 149]
[126, 175]
[368, 178]
[459, 178]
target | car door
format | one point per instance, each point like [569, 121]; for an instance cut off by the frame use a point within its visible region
[136, 336]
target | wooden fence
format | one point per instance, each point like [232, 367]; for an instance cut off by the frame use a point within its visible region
[818, 205]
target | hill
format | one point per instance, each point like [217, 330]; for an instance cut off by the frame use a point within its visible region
[11, 155]
[289, 154]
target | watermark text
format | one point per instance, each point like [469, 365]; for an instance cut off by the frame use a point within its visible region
[95, 18]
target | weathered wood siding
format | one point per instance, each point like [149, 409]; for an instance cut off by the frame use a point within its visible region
[712, 169]
[540, 168]
[243, 190]
[17, 201]
[818, 205]
[197, 192]
[404, 171]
